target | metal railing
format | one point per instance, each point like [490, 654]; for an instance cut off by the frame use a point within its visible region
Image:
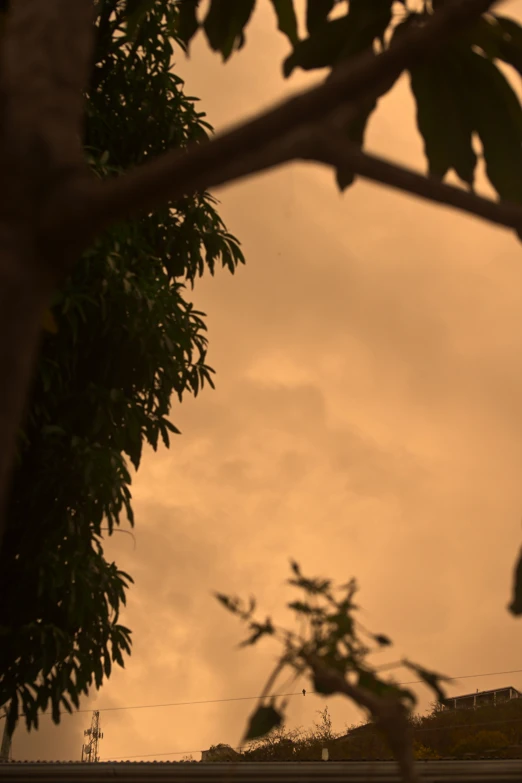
[483, 771]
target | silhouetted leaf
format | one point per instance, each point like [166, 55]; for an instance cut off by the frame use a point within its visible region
[317, 13]
[443, 117]
[135, 10]
[383, 640]
[286, 18]
[225, 23]
[55, 706]
[350, 588]
[171, 427]
[29, 707]
[515, 606]
[134, 6]
[258, 630]
[295, 567]
[356, 132]
[165, 426]
[187, 22]
[335, 40]
[301, 607]
[370, 21]
[312, 586]
[116, 655]
[487, 34]
[371, 682]
[324, 684]
[320, 50]
[98, 672]
[262, 722]
[232, 604]
[12, 714]
[342, 622]
[497, 117]
[510, 43]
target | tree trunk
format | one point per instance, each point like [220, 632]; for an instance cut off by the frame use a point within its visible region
[45, 65]
[25, 291]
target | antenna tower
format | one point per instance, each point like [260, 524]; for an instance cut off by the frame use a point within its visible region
[94, 735]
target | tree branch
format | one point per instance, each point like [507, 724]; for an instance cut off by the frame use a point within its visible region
[334, 150]
[25, 289]
[388, 712]
[268, 139]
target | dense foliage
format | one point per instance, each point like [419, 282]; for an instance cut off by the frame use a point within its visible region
[487, 732]
[122, 339]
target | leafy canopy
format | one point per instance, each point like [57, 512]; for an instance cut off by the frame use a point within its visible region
[465, 105]
[121, 339]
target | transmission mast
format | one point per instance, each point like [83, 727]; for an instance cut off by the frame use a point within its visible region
[90, 748]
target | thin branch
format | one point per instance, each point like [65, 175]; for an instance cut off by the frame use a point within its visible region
[266, 140]
[334, 150]
[389, 714]
[273, 677]
[128, 532]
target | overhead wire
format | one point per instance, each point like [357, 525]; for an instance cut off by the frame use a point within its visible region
[276, 695]
[300, 693]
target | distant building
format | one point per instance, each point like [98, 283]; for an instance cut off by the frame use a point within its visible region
[219, 753]
[471, 701]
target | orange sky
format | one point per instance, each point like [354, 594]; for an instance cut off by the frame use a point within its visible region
[367, 421]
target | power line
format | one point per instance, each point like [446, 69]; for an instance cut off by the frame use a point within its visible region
[276, 695]
[184, 703]
[411, 682]
[468, 676]
[149, 755]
